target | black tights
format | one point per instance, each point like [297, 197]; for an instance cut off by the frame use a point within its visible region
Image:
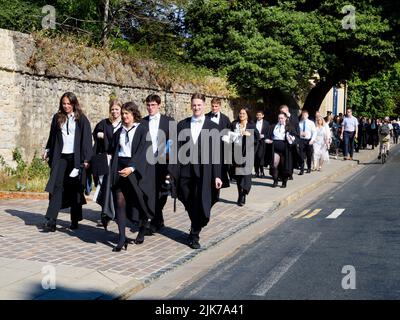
[120, 216]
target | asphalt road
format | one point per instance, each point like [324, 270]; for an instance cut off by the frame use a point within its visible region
[353, 254]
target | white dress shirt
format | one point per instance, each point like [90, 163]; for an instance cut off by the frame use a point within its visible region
[196, 124]
[125, 149]
[68, 134]
[215, 119]
[154, 124]
[279, 132]
[308, 127]
[259, 125]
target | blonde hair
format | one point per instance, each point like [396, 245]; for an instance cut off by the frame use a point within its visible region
[320, 119]
[114, 102]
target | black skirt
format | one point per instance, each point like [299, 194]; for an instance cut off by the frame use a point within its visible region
[279, 147]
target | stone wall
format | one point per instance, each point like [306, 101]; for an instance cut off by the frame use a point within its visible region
[29, 98]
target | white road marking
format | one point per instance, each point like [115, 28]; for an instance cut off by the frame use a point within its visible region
[277, 273]
[336, 213]
[366, 183]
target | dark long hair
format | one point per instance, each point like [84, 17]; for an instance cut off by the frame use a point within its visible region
[248, 114]
[61, 114]
[134, 109]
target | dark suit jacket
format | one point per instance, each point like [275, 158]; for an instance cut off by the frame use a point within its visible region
[224, 122]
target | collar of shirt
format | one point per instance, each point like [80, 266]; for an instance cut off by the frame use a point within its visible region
[155, 117]
[197, 120]
[129, 129]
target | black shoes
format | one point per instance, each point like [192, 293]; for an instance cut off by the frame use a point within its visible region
[104, 221]
[242, 199]
[74, 226]
[301, 172]
[156, 226]
[119, 247]
[284, 184]
[291, 177]
[308, 171]
[49, 225]
[275, 184]
[144, 230]
[194, 240]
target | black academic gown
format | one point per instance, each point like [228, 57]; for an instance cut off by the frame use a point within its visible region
[287, 169]
[244, 181]
[224, 125]
[161, 166]
[261, 147]
[82, 152]
[142, 179]
[207, 173]
[104, 198]
[294, 124]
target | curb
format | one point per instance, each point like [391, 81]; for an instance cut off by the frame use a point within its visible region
[7, 195]
[134, 286]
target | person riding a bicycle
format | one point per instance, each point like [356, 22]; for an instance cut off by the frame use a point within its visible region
[384, 133]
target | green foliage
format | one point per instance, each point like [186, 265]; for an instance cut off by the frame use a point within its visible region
[25, 177]
[280, 44]
[378, 96]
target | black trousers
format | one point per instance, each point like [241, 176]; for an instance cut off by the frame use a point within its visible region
[190, 189]
[160, 200]
[65, 186]
[306, 151]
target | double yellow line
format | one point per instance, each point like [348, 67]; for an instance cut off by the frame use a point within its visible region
[305, 214]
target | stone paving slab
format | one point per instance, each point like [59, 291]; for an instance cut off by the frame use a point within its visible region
[86, 268]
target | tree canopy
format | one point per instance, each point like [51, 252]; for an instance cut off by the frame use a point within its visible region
[260, 45]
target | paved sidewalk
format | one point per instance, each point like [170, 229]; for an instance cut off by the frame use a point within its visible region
[86, 268]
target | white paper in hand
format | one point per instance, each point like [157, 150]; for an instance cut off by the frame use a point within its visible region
[74, 173]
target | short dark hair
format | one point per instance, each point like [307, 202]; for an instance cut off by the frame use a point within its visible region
[260, 111]
[134, 109]
[304, 111]
[198, 96]
[153, 98]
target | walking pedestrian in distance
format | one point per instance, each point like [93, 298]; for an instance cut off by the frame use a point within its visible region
[224, 124]
[281, 137]
[295, 150]
[321, 145]
[349, 133]
[307, 138]
[68, 150]
[244, 129]
[259, 157]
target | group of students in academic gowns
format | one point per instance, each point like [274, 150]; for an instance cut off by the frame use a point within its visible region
[131, 171]
[135, 163]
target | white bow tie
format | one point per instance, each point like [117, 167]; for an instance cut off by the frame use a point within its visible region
[154, 117]
[196, 120]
